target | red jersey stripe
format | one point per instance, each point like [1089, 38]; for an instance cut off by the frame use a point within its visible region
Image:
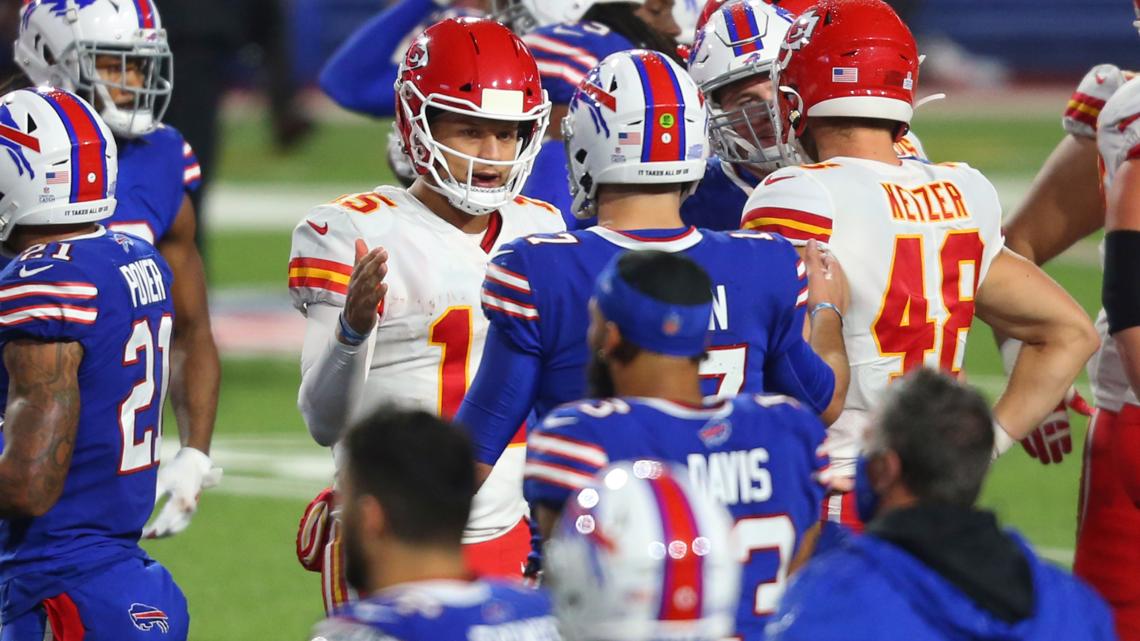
[319, 263]
[318, 283]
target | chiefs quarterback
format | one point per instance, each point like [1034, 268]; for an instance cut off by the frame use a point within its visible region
[389, 279]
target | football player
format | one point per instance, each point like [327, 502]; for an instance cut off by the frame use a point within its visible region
[926, 238]
[732, 62]
[640, 554]
[406, 486]
[1065, 204]
[1110, 493]
[86, 323]
[568, 39]
[389, 279]
[759, 455]
[636, 139]
[115, 55]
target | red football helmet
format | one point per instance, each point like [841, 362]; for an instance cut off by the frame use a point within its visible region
[852, 58]
[478, 67]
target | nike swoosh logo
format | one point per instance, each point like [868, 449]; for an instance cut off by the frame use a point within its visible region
[25, 272]
[775, 179]
[320, 229]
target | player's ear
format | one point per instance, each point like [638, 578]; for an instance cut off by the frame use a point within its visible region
[373, 518]
[611, 338]
[885, 470]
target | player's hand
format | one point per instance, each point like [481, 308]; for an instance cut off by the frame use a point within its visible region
[1052, 440]
[180, 481]
[366, 287]
[826, 281]
[314, 530]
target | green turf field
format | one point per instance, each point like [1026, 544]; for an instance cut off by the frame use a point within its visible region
[236, 562]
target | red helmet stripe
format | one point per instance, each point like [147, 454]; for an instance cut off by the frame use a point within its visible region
[664, 109]
[682, 591]
[88, 147]
[607, 100]
[20, 138]
[742, 26]
[146, 14]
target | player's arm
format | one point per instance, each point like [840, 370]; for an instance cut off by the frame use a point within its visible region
[562, 457]
[790, 203]
[500, 397]
[815, 371]
[1121, 290]
[195, 368]
[1064, 203]
[506, 385]
[40, 424]
[338, 347]
[360, 73]
[195, 373]
[1019, 300]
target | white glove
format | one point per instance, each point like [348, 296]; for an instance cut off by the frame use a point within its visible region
[181, 479]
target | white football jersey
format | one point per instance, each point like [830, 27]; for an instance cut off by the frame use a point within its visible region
[915, 241]
[430, 333]
[1117, 140]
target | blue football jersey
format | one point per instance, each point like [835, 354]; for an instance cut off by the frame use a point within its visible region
[482, 610]
[110, 292]
[536, 296]
[718, 203]
[155, 173]
[758, 455]
[565, 53]
[549, 182]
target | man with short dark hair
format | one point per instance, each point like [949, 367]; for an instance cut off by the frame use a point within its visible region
[759, 455]
[406, 486]
[932, 566]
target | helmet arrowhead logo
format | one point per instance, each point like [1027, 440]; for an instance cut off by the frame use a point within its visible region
[799, 35]
[417, 56]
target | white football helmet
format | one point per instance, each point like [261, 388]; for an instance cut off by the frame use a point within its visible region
[60, 40]
[638, 555]
[740, 40]
[61, 161]
[636, 118]
[524, 16]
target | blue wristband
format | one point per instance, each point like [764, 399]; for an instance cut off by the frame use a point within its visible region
[348, 335]
[821, 306]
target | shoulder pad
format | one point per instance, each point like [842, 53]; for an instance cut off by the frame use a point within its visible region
[1092, 93]
[322, 256]
[364, 202]
[792, 204]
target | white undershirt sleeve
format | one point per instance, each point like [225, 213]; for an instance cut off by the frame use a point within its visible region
[332, 375]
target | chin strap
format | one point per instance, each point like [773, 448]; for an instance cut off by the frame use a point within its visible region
[928, 99]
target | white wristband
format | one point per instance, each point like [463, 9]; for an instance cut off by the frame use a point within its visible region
[1002, 440]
